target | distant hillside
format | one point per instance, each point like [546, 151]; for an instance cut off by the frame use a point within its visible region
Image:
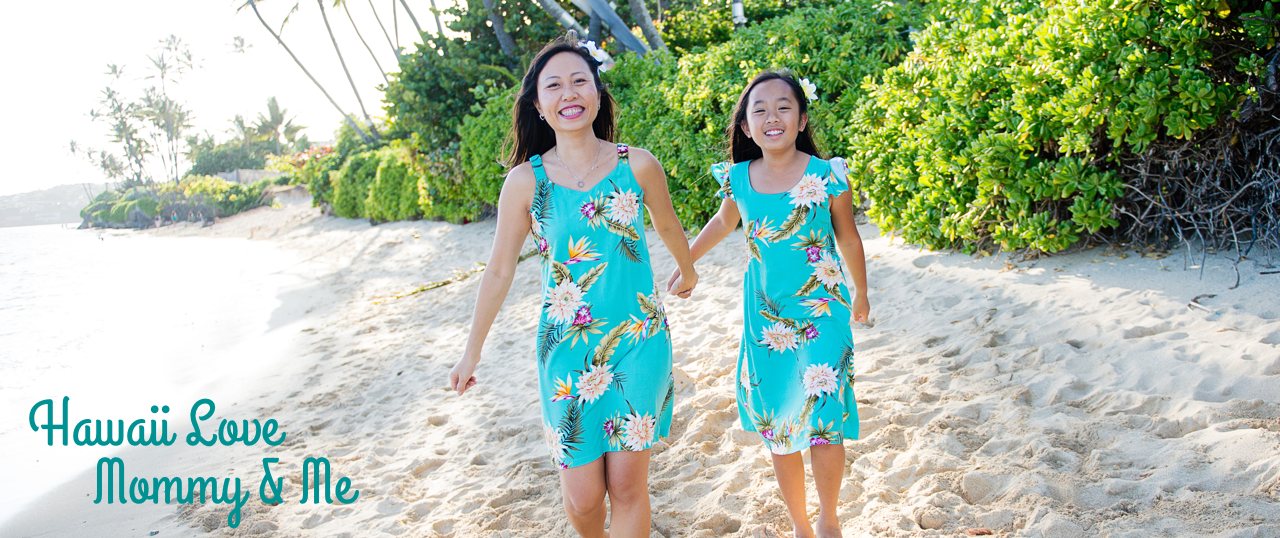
[54, 205]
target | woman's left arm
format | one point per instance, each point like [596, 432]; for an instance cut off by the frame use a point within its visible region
[850, 243]
[657, 198]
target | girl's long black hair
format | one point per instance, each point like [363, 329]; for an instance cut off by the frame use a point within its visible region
[741, 146]
[532, 136]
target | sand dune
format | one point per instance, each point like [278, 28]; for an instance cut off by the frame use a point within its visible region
[1077, 395]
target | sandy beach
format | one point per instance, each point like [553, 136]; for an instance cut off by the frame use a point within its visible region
[1096, 393]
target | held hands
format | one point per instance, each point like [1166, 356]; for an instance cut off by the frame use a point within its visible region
[681, 285]
[462, 377]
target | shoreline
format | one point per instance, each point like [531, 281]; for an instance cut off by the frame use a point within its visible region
[1069, 395]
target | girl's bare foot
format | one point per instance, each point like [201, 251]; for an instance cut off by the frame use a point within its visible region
[803, 532]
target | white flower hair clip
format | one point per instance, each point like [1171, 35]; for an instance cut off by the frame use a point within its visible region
[810, 90]
[606, 61]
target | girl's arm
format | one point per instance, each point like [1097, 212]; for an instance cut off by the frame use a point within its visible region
[850, 244]
[657, 198]
[513, 226]
[718, 227]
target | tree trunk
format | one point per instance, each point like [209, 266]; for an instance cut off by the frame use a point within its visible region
[593, 28]
[372, 128]
[436, 13]
[618, 29]
[561, 16]
[346, 117]
[411, 17]
[365, 43]
[394, 48]
[504, 39]
[739, 16]
[640, 14]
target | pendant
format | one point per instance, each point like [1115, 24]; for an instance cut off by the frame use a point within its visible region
[582, 184]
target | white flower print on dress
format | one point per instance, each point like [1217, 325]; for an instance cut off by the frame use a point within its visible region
[624, 207]
[555, 444]
[827, 270]
[810, 191]
[639, 431]
[563, 301]
[779, 337]
[594, 383]
[819, 380]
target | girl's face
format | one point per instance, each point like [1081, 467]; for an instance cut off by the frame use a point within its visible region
[773, 116]
[567, 95]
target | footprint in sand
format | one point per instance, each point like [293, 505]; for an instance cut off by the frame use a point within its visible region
[1142, 332]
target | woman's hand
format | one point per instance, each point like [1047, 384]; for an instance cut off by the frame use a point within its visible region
[462, 377]
[681, 284]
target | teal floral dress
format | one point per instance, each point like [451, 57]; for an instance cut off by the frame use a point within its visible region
[795, 362]
[603, 345]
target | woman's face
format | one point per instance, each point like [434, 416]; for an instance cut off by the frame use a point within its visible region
[773, 116]
[567, 95]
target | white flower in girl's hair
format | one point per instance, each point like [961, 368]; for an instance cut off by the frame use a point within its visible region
[810, 90]
[598, 53]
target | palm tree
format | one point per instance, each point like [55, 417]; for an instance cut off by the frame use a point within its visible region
[504, 39]
[384, 27]
[253, 4]
[411, 17]
[276, 127]
[352, 20]
[323, 15]
[641, 15]
[561, 16]
[436, 13]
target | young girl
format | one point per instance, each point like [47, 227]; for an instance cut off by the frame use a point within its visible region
[603, 348]
[795, 364]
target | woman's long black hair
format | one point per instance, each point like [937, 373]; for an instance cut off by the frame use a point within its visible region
[741, 146]
[532, 136]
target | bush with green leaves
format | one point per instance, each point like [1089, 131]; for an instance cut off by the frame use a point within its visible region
[394, 192]
[351, 184]
[227, 197]
[1003, 126]
[694, 25]
[481, 153]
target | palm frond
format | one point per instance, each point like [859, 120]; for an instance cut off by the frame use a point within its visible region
[629, 249]
[624, 230]
[808, 287]
[549, 335]
[571, 424]
[793, 223]
[560, 272]
[604, 351]
[586, 280]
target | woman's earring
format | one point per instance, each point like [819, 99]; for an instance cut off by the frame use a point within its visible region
[541, 117]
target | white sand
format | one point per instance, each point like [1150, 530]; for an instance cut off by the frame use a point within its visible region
[1071, 396]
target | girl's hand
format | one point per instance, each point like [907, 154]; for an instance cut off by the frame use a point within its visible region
[681, 285]
[861, 308]
[462, 377]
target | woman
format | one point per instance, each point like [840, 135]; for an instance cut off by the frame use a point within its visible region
[603, 348]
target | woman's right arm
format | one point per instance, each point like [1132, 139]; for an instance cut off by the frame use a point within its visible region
[513, 227]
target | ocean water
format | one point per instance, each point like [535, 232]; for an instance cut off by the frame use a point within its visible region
[121, 321]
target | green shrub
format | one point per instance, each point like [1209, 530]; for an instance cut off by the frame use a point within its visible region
[394, 193]
[1002, 127]
[351, 183]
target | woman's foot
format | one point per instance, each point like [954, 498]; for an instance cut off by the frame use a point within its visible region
[804, 531]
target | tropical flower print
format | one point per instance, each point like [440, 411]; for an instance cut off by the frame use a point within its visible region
[810, 191]
[563, 301]
[640, 430]
[564, 390]
[555, 444]
[593, 384]
[819, 380]
[581, 251]
[818, 307]
[827, 270]
[624, 207]
[779, 337]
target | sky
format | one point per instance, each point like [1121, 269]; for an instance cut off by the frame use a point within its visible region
[55, 56]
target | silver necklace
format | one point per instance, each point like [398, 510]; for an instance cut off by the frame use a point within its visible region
[594, 163]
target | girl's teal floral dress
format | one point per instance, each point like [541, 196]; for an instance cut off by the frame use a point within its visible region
[795, 363]
[604, 349]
